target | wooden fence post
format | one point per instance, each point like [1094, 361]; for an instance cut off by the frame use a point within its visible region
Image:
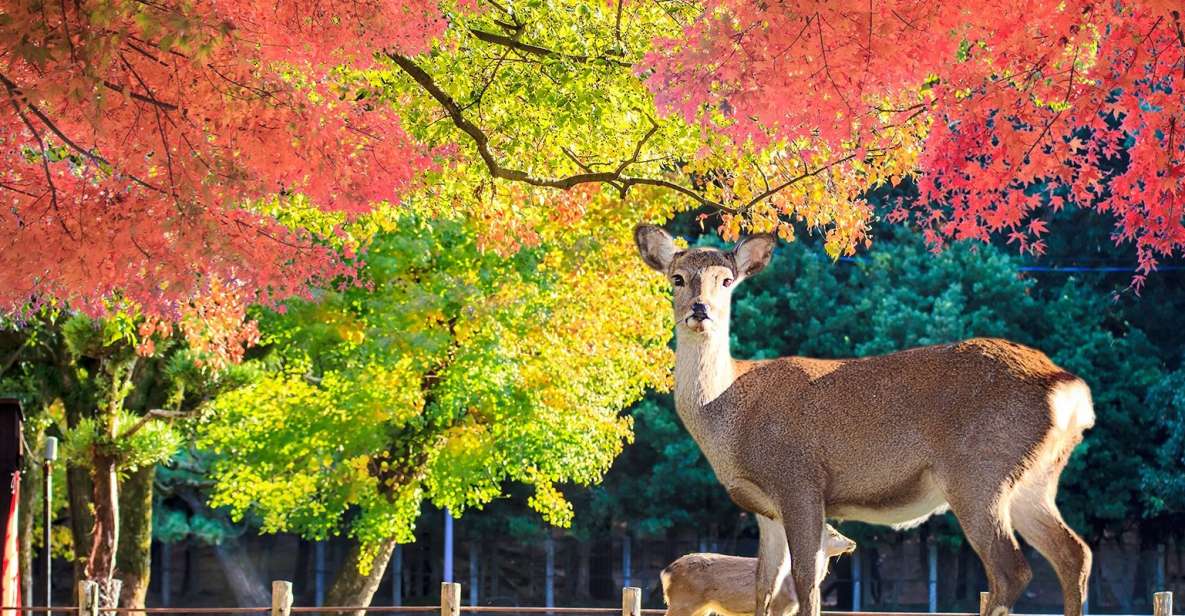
[450, 599]
[983, 603]
[88, 598]
[1162, 604]
[281, 598]
[631, 601]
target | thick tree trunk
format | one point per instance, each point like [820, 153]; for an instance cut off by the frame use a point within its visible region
[31, 508]
[79, 489]
[100, 567]
[133, 557]
[350, 587]
[248, 588]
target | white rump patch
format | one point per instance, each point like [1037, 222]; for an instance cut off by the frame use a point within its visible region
[1071, 405]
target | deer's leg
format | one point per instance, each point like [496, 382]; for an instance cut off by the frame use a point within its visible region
[986, 524]
[775, 591]
[808, 564]
[1037, 518]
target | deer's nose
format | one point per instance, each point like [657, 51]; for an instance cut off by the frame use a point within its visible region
[699, 310]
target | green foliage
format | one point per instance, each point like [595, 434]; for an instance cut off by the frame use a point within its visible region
[453, 371]
[582, 96]
[1164, 481]
[149, 443]
[178, 510]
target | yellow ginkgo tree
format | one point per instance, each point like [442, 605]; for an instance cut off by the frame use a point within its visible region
[449, 372]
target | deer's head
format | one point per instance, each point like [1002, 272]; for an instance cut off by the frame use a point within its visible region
[836, 544]
[703, 278]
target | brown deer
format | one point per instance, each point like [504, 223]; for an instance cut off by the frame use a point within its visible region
[983, 427]
[698, 584]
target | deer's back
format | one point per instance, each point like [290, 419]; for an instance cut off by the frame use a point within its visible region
[882, 430]
[722, 583]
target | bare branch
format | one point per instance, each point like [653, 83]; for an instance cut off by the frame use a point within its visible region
[794, 180]
[615, 178]
[15, 93]
[157, 414]
[617, 23]
[15, 355]
[482, 142]
[140, 97]
[506, 41]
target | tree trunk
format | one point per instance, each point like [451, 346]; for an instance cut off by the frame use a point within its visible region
[350, 588]
[100, 567]
[246, 585]
[79, 489]
[133, 558]
[31, 506]
[583, 590]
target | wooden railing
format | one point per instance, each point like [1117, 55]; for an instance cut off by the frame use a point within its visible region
[450, 605]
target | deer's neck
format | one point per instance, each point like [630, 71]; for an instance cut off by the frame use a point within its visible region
[703, 370]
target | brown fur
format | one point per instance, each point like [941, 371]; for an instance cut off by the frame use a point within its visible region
[983, 426]
[697, 584]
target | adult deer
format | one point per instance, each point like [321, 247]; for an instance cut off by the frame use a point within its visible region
[983, 427]
[699, 584]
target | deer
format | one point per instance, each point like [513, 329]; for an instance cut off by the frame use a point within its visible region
[982, 428]
[698, 584]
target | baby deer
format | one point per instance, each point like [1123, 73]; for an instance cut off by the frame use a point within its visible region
[697, 584]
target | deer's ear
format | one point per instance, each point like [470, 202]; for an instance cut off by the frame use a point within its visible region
[753, 253]
[656, 246]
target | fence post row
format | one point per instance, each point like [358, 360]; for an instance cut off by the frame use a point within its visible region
[281, 598]
[1162, 604]
[450, 600]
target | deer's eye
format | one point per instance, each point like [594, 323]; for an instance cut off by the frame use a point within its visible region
[677, 279]
[727, 282]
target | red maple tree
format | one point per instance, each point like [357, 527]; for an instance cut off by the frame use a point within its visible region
[1032, 105]
[136, 136]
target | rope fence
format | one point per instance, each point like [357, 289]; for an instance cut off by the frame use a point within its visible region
[450, 605]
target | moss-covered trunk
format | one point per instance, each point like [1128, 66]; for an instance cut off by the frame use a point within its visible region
[350, 588]
[30, 512]
[133, 557]
[100, 566]
[78, 491]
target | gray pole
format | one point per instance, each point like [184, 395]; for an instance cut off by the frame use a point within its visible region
[857, 591]
[448, 546]
[397, 576]
[627, 565]
[166, 573]
[1160, 562]
[51, 454]
[932, 557]
[549, 571]
[319, 573]
[473, 572]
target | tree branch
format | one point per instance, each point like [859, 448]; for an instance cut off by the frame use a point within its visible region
[140, 97]
[14, 356]
[482, 142]
[16, 93]
[513, 43]
[615, 178]
[157, 414]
